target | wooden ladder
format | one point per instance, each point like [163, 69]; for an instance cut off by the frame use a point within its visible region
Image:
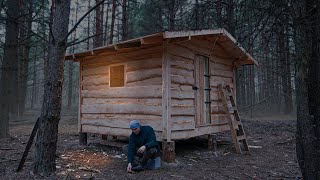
[236, 128]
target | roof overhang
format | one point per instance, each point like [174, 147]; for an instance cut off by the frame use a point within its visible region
[219, 37]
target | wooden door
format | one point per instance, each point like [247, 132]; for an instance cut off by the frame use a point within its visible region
[202, 90]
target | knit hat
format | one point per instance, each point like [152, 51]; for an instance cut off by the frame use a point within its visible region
[134, 124]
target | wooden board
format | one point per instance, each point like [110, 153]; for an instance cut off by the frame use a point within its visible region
[185, 134]
[122, 108]
[156, 124]
[153, 101]
[100, 70]
[143, 74]
[128, 92]
[95, 80]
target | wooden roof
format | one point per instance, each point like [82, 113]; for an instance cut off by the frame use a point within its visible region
[218, 37]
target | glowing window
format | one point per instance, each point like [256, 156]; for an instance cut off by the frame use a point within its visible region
[117, 76]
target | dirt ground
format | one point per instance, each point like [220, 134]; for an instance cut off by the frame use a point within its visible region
[272, 155]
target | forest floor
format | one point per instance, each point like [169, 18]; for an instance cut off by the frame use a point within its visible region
[272, 142]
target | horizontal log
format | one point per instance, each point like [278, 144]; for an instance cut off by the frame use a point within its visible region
[156, 124]
[180, 51]
[112, 131]
[95, 87]
[210, 129]
[219, 66]
[182, 110]
[179, 87]
[127, 92]
[182, 72]
[182, 125]
[155, 101]
[95, 80]
[119, 57]
[143, 74]
[101, 70]
[216, 58]
[222, 73]
[182, 102]
[106, 130]
[196, 49]
[181, 63]
[176, 79]
[216, 80]
[118, 116]
[146, 82]
[144, 64]
[182, 94]
[217, 110]
[219, 119]
[214, 96]
[181, 118]
[122, 108]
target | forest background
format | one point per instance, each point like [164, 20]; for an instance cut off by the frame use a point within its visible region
[281, 35]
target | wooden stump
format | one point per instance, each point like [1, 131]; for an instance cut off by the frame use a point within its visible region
[168, 149]
[83, 139]
[212, 143]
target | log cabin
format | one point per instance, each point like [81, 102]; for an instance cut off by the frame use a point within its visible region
[168, 80]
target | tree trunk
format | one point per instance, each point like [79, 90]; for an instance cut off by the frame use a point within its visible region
[196, 11]
[231, 24]
[172, 15]
[106, 25]
[113, 18]
[88, 30]
[46, 142]
[70, 63]
[25, 36]
[308, 101]
[98, 40]
[9, 67]
[34, 81]
[124, 20]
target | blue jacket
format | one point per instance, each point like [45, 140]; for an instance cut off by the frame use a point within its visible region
[145, 137]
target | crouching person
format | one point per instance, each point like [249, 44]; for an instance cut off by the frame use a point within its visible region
[142, 146]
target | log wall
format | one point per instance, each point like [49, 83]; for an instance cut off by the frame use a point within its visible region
[106, 110]
[183, 96]
[109, 110]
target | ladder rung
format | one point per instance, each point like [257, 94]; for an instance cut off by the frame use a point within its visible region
[241, 137]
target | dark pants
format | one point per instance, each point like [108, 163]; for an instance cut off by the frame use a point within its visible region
[142, 158]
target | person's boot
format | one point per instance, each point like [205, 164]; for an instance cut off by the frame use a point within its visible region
[138, 168]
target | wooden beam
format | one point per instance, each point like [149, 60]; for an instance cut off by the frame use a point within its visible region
[151, 40]
[174, 34]
[179, 39]
[127, 45]
[166, 92]
[168, 151]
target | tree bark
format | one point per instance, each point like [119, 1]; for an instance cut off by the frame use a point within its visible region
[88, 30]
[9, 69]
[113, 18]
[172, 15]
[219, 13]
[308, 101]
[46, 142]
[25, 36]
[124, 20]
[106, 25]
[70, 63]
[98, 40]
